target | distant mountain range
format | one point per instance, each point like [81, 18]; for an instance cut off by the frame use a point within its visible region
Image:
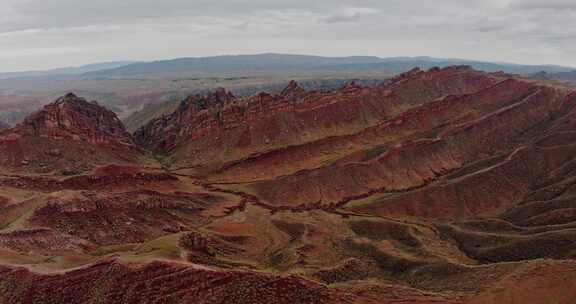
[561, 76]
[79, 70]
[235, 65]
[282, 63]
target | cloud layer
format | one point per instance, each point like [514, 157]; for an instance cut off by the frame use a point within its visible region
[37, 34]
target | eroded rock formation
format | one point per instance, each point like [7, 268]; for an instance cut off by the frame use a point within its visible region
[70, 134]
[238, 128]
[440, 186]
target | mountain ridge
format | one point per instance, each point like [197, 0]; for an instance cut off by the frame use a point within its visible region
[273, 62]
[66, 71]
[448, 185]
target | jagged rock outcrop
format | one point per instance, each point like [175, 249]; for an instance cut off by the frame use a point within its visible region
[74, 118]
[326, 149]
[238, 128]
[70, 134]
[293, 91]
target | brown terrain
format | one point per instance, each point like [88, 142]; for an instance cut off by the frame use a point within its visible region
[442, 186]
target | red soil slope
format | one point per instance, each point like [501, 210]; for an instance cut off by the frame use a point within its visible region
[160, 282]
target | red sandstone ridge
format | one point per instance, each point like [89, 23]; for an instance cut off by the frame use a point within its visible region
[73, 118]
[240, 127]
[71, 134]
[398, 143]
[163, 282]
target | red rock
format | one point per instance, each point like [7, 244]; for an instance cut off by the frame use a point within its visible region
[441, 186]
[74, 118]
[71, 135]
[161, 282]
[238, 128]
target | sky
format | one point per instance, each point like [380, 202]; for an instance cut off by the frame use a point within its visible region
[41, 34]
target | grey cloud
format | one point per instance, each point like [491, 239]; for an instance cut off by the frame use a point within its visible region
[71, 13]
[544, 4]
[45, 33]
[490, 28]
[350, 14]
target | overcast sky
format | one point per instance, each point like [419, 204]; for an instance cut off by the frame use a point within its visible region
[39, 34]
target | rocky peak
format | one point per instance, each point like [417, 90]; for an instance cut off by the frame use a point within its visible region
[221, 95]
[198, 102]
[293, 90]
[70, 97]
[413, 72]
[457, 68]
[72, 117]
[350, 86]
[403, 76]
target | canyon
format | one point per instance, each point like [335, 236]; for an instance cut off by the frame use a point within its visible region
[447, 185]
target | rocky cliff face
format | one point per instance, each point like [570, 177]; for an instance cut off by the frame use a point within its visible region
[73, 118]
[238, 128]
[302, 150]
[70, 134]
[415, 163]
